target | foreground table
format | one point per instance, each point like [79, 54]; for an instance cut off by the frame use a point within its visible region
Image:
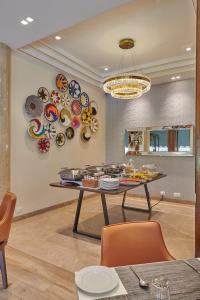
[121, 190]
[184, 282]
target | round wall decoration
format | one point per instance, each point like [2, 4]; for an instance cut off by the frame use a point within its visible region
[75, 122]
[36, 130]
[84, 98]
[61, 82]
[56, 97]
[86, 116]
[74, 89]
[51, 112]
[65, 117]
[94, 125]
[34, 106]
[43, 94]
[76, 107]
[44, 145]
[85, 134]
[94, 107]
[60, 139]
[66, 100]
[69, 132]
[50, 131]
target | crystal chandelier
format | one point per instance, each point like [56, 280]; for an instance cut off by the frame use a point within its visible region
[127, 86]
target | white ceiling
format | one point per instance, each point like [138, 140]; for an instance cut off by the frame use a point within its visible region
[50, 16]
[162, 29]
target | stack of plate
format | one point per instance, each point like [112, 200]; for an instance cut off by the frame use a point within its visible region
[109, 183]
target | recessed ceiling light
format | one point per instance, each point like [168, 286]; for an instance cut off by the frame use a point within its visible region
[57, 37]
[24, 22]
[188, 49]
[173, 78]
[106, 69]
[178, 77]
[29, 19]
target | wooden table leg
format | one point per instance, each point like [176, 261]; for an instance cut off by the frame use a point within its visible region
[105, 210]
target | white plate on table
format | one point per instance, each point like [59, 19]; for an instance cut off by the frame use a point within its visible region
[96, 279]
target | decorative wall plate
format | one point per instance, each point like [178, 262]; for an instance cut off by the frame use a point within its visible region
[61, 82]
[60, 139]
[65, 117]
[74, 89]
[51, 112]
[43, 94]
[85, 134]
[86, 116]
[69, 132]
[94, 107]
[36, 130]
[34, 106]
[84, 98]
[94, 125]
[76, 107]
[50, 131]
[66, 100]
[56, 97]
[44, 145]
[75, 122]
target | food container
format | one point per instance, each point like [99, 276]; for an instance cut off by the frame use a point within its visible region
[90, 183]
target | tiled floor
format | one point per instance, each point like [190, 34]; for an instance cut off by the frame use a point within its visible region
[43, 254]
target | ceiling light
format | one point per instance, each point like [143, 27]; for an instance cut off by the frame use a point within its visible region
[188, 49]
[127, 86]
[29, 19]
[106, 69]
[173, 78]
[57, 37]
[24, 22]
[178, 77]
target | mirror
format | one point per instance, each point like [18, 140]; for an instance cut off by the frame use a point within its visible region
[166, 141]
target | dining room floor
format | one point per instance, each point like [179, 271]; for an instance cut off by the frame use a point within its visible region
[43, 254]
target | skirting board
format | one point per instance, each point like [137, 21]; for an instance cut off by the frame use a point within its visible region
[180, 201]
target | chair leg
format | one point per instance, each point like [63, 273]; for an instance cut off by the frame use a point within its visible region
[3, 268]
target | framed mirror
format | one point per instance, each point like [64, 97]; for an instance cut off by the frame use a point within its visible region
[162, 141]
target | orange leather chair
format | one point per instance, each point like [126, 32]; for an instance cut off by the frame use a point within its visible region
[7, 208]
[133, 243]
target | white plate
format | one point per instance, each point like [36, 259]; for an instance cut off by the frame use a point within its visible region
[96, 279]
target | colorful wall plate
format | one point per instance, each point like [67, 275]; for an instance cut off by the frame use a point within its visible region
[69, 132]
[56, 97]
[85, 134]
[43, 94]
[61, 82]
[51, 112]
[75, 123]
[74, 89]
[36, 130]
[94, 125]
[86, 116]
[65, 117]
[94, 107]
[84, 98]
[34, 106]
[60, 139]
[50, 131]
[76, 107]
[44, 145]
[66, 100]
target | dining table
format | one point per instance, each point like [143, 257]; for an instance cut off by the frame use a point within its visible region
[123, 189]
[183, 277]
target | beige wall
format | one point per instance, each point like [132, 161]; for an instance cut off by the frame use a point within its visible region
[31, 171]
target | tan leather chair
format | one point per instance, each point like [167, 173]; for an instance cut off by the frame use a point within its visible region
[133, 243]
[7, 208]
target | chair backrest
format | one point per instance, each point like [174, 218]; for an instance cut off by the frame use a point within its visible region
[7, 208]
[133, 243]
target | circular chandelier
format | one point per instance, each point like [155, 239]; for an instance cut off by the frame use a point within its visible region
[127, 86]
